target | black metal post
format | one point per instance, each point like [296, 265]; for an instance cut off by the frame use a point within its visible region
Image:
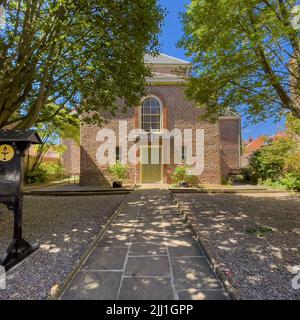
[19, 248]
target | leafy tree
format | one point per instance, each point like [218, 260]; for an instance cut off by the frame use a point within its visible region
[293, 126]
[269, 162]
[79, 55]
[246, 56]
[278, 161]
[63, 125]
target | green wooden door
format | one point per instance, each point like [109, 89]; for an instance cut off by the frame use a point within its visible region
[151, 164]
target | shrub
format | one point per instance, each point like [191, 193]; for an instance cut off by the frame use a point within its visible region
[271, 183]
[38, 176]
[291, 182]
[276, 164]
[45, 173]
[118, 171]
[228, 181]
[292, 164]
[54, 171]
[180, 174]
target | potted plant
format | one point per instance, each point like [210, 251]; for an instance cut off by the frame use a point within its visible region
[119, 172]
[180, 176]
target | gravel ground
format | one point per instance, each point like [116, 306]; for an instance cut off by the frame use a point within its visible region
[64, 227]
[254, 237]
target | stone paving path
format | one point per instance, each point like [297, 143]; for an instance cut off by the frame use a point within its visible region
[146, 254]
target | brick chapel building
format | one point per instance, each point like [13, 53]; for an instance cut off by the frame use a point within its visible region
[164, 107]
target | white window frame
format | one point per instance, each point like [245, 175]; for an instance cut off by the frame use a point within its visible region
[161, 114]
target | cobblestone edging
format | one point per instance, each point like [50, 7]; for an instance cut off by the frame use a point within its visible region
[64, 285]
[214, 264]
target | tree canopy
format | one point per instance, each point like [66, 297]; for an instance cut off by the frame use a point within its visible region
[246, 56]
[81, 55]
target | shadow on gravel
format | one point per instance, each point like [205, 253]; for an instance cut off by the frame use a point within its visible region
[254, 237]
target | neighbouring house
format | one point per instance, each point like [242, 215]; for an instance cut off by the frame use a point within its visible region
[164, 107]
[51, 156]
[253, 145]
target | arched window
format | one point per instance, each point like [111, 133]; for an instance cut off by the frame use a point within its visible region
[151, 115]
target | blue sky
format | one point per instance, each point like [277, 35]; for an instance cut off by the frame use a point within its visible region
[172, 32]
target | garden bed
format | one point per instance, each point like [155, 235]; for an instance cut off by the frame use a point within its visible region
[254, 239]
[64, 227]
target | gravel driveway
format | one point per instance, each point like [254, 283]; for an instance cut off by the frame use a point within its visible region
[254, 237]
[64, 227]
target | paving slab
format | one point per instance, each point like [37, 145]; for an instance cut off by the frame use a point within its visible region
[193, 273]
[147, 266]
[119, 240]
[146, 288]
[185, 249]
[139, 249]
[148, 218]
[202, 295]
[120, 229]
[158, 225]
[181, 241]
[153, 231]
[106, 258]
[89, 285]
[147, 253]
[148, 238]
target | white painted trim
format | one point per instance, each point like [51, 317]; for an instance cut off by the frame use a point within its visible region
[171, 62]
[173, 58]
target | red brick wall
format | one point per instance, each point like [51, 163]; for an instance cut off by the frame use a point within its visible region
[182, 114]
[71, 158]
[91, 172]
[230, 132]
[178, 112]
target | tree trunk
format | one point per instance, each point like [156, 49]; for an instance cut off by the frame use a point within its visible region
[295, 88]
